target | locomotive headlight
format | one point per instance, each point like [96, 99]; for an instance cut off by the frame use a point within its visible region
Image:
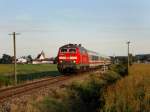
[74, 61]
[61, 61]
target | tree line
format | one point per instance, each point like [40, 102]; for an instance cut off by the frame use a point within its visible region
[7, 59]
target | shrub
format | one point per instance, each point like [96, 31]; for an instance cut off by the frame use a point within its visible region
[86, 97]
[111, 77]
[120, 69]
[51, 105]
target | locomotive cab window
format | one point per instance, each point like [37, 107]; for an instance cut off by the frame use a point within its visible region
[63, 50]
[72, 50]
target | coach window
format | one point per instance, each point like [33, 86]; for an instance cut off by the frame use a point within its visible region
[93, 58]
[72, 50]
[96, 57]
[63, 50]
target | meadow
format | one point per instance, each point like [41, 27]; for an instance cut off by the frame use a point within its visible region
[28, 71]
[132, 93]
[7, 69]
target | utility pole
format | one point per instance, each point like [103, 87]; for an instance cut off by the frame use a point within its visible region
[128, 43]
[15, 63]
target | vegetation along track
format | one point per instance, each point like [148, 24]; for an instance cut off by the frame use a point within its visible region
[24, 88]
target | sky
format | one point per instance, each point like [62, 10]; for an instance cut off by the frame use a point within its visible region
[103, 26]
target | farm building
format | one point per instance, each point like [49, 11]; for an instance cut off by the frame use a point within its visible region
[41, 59]
[22, 60]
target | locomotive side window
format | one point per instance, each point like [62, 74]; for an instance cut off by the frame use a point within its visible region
[72, 50]
[63, 50]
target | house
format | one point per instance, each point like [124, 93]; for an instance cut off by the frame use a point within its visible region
[21, 60]
[41, 56]
[41, 59]
[143, 58]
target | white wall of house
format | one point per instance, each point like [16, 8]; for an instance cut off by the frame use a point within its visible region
[21, 60]
[42, 62]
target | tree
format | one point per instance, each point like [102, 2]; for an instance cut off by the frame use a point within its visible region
[6, 59]
[29, 59]
[55, 60]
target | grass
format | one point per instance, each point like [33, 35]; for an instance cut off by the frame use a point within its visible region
[7, 69]
[132, 93]
[99, 94]
[28, 71]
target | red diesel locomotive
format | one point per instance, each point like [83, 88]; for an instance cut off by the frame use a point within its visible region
[73, 58]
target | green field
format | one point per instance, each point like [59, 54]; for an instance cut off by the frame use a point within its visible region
[7, 69]
[29, 71]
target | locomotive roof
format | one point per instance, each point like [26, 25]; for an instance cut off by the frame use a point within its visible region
[72, 45]
[89, 51]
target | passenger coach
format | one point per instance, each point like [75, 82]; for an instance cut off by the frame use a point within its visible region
[73, 58]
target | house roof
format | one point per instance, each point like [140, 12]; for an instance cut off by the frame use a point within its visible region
[41, 54]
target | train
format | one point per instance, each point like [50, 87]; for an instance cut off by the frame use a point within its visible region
[76, 58]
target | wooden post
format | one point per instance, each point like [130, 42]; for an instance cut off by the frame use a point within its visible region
[14, 50]
[128, 43]
[14, 43]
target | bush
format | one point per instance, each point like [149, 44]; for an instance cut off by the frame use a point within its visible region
[86, 97]
[51, 105]
[111, 77]
[120, 69]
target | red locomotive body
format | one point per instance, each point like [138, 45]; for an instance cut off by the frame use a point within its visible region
[73, 57]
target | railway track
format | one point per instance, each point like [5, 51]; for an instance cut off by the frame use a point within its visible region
[24, 88]
[12, 92]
